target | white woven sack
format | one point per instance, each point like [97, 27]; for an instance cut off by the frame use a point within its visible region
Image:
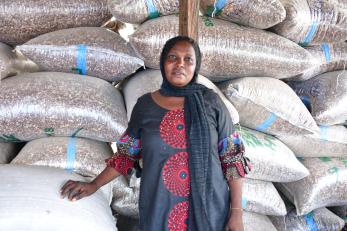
[257, 222]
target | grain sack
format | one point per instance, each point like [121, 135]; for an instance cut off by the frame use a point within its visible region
[269, 105]
[319, 219]
[21, 21]
[332, 142]
[13, 63]
[257, 222]
[92, 51]
[271, 160]
[31, 201]
[82, 156]
[328, 57]
[45, 104]
[313, 22]
[7, 152]
[260, 14]
[126, 196]
[325, 186]
[325, 96]
[150, 80]
[138, 11]
[228, 50]
[262, 197]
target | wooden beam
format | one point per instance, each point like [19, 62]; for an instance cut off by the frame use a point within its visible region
[188, 19]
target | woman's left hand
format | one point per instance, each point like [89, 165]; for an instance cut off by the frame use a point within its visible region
[235, 222]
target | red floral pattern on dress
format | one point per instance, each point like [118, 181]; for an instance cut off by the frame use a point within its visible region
[122, 163]
[173, 130]
[178, 217]
[176, 174]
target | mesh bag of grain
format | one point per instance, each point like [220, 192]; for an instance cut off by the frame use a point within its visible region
[45, 104]
[326, 97]
[313, 22]
[257, 222]
[92, 51]
[7, 152]
[138, 11]
[13, 63]
[150, 80]
[262, 197]
[325, 186]
[331, 141]
[328, 57]
[21, 21]
[319, 219]
[260, 14]
[83, 156]
[271, 160]
[269, 105]
[228, 50]
[31, 201]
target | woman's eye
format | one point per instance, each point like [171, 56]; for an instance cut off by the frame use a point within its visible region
[171, 57]
[189, 59]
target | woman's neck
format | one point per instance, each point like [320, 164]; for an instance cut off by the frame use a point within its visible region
[168, 102]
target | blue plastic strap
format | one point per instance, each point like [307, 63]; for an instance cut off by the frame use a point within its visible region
[323, 132]
[244, 202]
[326, 49]
[71, 154]
[220, 4]
[82, 59]
[152, 10]
[306, 101]
[267, 123]
[311, 223]
[311, 32]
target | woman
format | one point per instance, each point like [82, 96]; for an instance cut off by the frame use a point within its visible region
[191, 154]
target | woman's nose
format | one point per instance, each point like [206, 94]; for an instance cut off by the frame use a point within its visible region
[180, 62]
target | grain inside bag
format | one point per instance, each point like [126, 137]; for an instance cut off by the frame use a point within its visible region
[92, 51]
[45, 104]
[269, 105]
[21, 21]
[260, 14]
[228, 50]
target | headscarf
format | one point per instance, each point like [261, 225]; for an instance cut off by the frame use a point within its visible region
[198, 138]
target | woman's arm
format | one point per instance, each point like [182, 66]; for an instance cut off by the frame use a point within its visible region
[235, 222]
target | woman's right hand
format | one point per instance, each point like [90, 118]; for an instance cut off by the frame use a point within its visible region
[75, 190]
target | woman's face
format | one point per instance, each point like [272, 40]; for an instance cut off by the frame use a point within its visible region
[180, 63]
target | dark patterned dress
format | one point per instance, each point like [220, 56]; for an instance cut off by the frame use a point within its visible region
[158, 137]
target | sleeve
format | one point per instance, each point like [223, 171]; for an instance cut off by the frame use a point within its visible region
[128, 146]
[230, 146]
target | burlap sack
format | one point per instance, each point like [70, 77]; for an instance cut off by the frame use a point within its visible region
[13, 63]
[313, 22]
[260, 14]
[138, 11]
[92, 51]
[31, 201]
[326, 97]
[325, 186]
[45, 104]
[257, 222]
[328, 57]
[319, 219]
[7, 152]
[150, 80]
[269, 105]
[271, 160]
[228, 50]
[332, 142]
[82, 156]
[262, 197]
[24, 20]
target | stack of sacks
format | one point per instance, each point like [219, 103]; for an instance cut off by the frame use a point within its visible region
[313, 21]
[21, 21]
[7, 152]
[31, 201]
[12, 63]
[92, 51]
[228, 50]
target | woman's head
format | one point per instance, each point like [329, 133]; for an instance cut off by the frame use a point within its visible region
[180, 61]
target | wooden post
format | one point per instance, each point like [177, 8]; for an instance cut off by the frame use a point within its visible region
[188, 19]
